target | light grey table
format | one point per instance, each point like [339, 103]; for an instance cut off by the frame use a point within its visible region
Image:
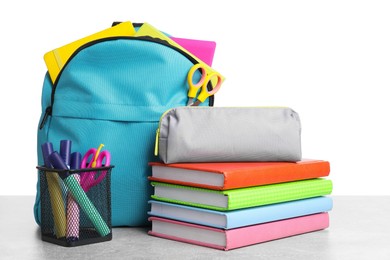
[359, 229]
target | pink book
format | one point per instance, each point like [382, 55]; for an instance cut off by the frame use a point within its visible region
[204, 50]
[238, 237]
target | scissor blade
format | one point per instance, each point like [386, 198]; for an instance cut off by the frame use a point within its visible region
[196, 103]
[190, 101]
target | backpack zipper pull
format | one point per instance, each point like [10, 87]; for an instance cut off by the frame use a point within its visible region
[47, 113]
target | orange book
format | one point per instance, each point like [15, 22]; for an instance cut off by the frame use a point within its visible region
[233, 175]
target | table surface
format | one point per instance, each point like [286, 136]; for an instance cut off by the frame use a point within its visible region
[359, 229]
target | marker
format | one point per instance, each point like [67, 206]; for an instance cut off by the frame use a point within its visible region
[65, 150]
[72, 209]
[55, 192]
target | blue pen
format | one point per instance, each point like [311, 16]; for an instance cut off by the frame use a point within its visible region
[79, 195]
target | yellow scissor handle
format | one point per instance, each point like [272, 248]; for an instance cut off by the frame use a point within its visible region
[194, 87]
[205, 93]
[93, 165]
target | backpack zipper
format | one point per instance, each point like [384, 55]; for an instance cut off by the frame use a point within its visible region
[49, 109]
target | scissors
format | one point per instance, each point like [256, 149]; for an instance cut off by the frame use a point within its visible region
[201, 84]
[89, 179]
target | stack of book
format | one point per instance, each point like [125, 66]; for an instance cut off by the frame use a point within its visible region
[236, 204]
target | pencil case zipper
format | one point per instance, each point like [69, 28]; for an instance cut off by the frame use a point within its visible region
[158, 132]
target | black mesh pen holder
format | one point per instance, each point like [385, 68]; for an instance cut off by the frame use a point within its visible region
[75, 205]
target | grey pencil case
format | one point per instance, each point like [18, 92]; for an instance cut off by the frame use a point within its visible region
[228, 134]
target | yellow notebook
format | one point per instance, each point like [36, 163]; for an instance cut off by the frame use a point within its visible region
[57, 58]
[148, 30]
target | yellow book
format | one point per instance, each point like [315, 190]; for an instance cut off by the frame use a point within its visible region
[57, 58]
[148, 30]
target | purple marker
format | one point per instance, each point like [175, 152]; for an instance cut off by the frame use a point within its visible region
[57, 162]
[75, 161]
[47, 149]
[65, 150]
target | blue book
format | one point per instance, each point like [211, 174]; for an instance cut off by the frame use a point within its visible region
[242, 217]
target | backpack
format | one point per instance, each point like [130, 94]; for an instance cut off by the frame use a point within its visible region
[114, 91]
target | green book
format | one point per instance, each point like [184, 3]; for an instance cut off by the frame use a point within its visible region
[242, 197]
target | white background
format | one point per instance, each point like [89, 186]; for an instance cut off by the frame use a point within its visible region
[328, 60]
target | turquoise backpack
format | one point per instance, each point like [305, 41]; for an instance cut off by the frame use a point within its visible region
[114, 91]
